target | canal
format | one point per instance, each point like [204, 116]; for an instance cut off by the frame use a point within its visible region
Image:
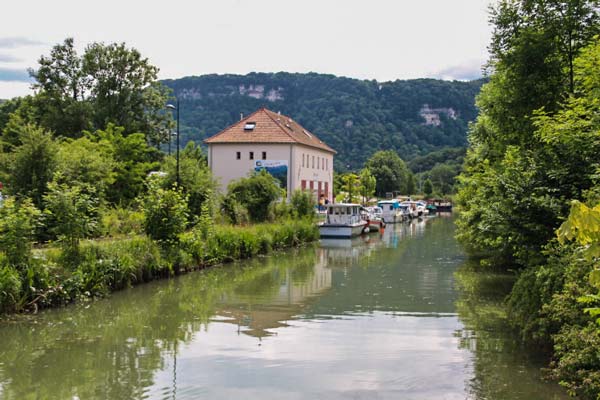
[393, 316]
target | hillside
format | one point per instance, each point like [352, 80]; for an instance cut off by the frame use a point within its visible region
[355, 117]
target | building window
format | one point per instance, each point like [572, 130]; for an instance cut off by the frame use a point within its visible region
[238, 155]
[313, 162]
[322, 163]
[302, 160]
[327, 164]
[252, 155]
[264, 155]
[317, 162]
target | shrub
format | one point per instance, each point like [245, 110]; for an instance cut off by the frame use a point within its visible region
[165, 213]
[10, 286]
[17, 225]
[234, 211]
[71, 214]
[121, 221]
[303, 203]
[256, 193]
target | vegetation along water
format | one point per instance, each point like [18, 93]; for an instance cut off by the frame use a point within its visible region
[394, 316]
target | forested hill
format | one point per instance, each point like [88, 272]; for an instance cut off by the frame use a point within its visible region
[355, 117]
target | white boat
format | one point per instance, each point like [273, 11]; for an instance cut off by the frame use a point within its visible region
[391, 213]
[343, 221]
[373, 216]
[413, 211]
[422, 208]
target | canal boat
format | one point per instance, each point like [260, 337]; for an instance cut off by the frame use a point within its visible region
[413, 209]
[344, 220]
[373, 217]
[392, 211]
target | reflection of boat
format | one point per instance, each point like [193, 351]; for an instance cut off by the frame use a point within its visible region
[343, 221]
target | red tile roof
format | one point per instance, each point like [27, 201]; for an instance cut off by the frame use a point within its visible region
[270, 128]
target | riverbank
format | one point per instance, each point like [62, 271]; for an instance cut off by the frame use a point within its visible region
[53, 278]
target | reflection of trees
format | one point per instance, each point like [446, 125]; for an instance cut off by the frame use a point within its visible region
[111, 349]
[503, 367]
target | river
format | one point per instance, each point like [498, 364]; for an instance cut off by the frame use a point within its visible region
[392, 316]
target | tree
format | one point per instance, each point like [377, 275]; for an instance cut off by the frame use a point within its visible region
[351, 185]
[107, 84]
[256, 193]
[18, 222]
[367, 184]
[124, 89]
[389, 170]
[195, 178]
[32, 164]
[442, 176]
[411, 184]
[427, 187]
[71, 214]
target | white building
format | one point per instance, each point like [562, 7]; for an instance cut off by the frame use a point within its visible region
[264, 139]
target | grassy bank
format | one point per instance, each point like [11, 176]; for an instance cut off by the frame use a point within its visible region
[54, 278]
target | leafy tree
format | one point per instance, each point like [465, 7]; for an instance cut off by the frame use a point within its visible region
[411, 184]
[427, 187]
[133, 159]
[256, 193]
[71, 214]
[87, 164]
[351, 185]
[32, 164]
[124, 89]
[389, 170]
[107, 84]
[442, 176]
[195, 178]
[18, 222]
[367, 184]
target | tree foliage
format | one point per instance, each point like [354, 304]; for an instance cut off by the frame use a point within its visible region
[256, 193]
[107, 84]
[390, 172]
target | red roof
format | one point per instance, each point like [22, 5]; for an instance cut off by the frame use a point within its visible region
[269, 127]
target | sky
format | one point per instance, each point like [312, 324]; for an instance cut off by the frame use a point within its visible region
[366, 39]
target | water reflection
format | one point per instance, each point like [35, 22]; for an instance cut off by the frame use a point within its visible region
[370, 318]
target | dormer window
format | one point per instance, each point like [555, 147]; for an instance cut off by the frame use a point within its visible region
[249, 126]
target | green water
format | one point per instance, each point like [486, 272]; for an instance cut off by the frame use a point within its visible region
[384, 318]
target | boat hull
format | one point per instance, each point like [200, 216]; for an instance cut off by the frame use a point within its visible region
[341, 231]
[393, 218]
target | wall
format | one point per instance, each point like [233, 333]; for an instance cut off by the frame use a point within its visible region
[309, 173]
[225, 167]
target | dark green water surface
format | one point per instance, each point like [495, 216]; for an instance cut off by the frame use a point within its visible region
[392, 316]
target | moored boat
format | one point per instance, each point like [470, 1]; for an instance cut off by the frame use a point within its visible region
[343, 221]
[392, 211]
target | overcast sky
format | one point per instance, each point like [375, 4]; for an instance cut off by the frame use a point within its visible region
[366, 39]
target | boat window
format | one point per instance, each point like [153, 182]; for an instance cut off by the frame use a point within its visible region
[330, 210]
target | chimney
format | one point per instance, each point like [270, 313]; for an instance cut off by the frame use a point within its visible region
[241, 116]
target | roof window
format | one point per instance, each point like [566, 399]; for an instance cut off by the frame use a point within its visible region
[249, 126]
[306, 133]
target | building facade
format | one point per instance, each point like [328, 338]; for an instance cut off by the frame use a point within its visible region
[275, 142]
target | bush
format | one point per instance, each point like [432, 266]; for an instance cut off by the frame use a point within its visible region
[165, 213]
[70, 214]
[10, 286]
[234, 211]
[256, 193]
[303, 203]
[121, 221]
[17, 225]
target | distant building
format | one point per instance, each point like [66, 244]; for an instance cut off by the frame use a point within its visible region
[269, 140]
